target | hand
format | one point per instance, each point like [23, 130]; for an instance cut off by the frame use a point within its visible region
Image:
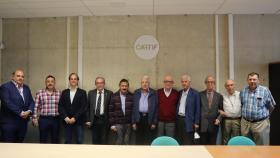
[114, 128]
[196, 126]
[134, 127]
[153, 126]
[67, 120]
[222, 113]
[25, 114]
[35, 122]
[88, 124]
[72, 120]
[217, 122]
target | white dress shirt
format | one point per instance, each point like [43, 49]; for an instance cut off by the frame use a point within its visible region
[167, 92]
[72, 94]
[102, 101]
[232, 105]
[182, 105]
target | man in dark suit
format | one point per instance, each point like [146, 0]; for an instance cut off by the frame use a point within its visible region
[188, 112]
[97, 114]
[211, 104]
[17, 105]
[120, 111]
[145, 113]
[72, 107]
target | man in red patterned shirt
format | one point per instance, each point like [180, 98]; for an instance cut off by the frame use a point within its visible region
[46, 114]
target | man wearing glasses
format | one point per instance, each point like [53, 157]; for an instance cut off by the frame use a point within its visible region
[97, 117]
[167, 102]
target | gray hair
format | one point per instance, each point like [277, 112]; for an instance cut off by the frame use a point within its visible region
[145, 77]
[186, 76]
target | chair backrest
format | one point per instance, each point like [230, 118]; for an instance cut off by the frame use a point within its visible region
[241, 140]
[164, 141]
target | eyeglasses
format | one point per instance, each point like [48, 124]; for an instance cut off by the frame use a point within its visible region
[168, 81]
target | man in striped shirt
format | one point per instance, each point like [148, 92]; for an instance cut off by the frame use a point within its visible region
[257, 104]
[46, 114]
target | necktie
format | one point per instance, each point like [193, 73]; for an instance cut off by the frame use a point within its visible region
[210, 98]
[97, 111]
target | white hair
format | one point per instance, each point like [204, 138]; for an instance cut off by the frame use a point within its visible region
[185, 76]
[146, 77]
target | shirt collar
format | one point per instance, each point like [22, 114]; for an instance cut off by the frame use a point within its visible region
[253, 91]
[167, 91]
[17, 85]
[186, 90]
[73, 89]
[234, 94]
[102, 91]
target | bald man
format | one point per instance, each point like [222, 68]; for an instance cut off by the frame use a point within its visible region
[145, 113]
[17, 105]
[231, 112]
[167, 102]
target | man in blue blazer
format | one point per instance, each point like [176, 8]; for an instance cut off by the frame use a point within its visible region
[188, 112]
[17, 105]
[145, 113]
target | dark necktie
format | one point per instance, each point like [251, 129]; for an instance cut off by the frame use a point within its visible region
[210, 99]
[97, 111]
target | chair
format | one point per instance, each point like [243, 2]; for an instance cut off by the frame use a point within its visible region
[241, 140]
[165, 141]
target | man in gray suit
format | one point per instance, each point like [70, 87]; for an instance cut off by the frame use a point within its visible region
[211, 103]
[97, 117]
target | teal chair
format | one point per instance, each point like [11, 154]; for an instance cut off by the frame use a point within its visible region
[241, 140]
[164, 141]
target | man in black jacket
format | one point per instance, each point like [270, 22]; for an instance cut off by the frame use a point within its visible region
[72, 108]
[97, 114]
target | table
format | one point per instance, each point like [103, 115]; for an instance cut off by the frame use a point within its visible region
[244, 151]
[114, 151]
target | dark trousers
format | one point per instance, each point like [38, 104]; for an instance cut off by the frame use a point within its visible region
[69, 130]
[183, 137]
[209, 137]
[144, 134]
[13, 132]
[49, 125]
[99, 130]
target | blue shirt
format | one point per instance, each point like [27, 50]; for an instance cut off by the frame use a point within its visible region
[256, 104]
[143, 102]
[123, 102]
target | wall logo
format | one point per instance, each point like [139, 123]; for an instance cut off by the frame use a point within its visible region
[146, 47]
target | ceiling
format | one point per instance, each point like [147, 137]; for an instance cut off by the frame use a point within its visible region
[60, 8]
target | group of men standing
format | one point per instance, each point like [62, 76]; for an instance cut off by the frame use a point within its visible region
[147, 113]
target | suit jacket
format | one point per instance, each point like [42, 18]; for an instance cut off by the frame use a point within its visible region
[152, 107]
[116, 115]
[192, 110]
[12, 103]
[209, 115]
[92, 104]
[78, 107]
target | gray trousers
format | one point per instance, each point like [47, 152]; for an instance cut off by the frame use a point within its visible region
[231, 128]
[257, 131]
[123, 134]
[166, 129]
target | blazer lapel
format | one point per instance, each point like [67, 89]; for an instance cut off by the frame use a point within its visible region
[94, 99]
[205, 100]
[25, 94]
[68, 96]
[215, 99]
[75, 96]
[17, 91]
